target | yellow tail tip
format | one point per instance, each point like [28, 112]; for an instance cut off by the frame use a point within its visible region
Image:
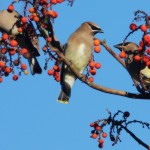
[63, 101]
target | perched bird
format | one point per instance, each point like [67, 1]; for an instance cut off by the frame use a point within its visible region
[78, 50]
[9, 23]
[137, 69]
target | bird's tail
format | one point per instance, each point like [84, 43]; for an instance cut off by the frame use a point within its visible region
[34, 66]
[63, 98]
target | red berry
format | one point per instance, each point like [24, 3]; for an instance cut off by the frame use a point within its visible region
[5, 36]
[1, 79]
[23, 66]
[148, 51]
[8, 70]
[20, 30]
[146, 38]
[133, 26]
[141, 43]
[13, 43]
[54, 2]
[24, 20]
[92, 64]
[104, 134]
[94, 135]
[92, 71]
[98, 128]
[97, 49]
[60, 1]
[101, 141]
[97, 42]
[2, 64]
[56, 68]
[122, 54]
[23, 51]
[44, 48]
[15, 77]
[140, 48]
[92, 124]
[10, 8]
[49, 39]
[91, 79]
[148, 63]
[145, 59]
[12, 51]
[31, 10]
[3, 50]
[137, 58]
[143, 28]
[97, 65]
[50, 72]
[57, 79]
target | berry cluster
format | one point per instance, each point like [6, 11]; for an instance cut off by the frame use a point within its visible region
[143, 54]
[92, 66]
[117, 122]
[10, 57]
[98, 133]
[11, 53]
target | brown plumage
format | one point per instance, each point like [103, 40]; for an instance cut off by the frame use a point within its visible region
[78, 50]
[9, 23]
[137, 69]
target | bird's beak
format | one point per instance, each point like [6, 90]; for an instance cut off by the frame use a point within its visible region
[119, 46]
[100, 31]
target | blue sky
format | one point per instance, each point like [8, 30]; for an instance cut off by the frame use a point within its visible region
[31, 119]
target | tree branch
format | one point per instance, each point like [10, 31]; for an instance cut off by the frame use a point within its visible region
[136, 138]
[57, 47]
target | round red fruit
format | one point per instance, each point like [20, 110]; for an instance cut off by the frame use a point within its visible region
[92, 64]
[50, 72]
[92, 71]
[94, 135]
[91, 79]
[97, 49]
[97, 42]
[15, 77]
[145, 58]
[24, 20]
[143, 28]
[137, 58]
[122, 54]
[1, 79]
[2, 64]
[5, 36]
[98, 128]
[56, 68]
[13, 43]
[92, 124]
[23, 51]
[23, 66]
[104, 134]
[133, 26]
[10, 8]
[3, 50]
[97, 65]
[8, 70]
[101, 141]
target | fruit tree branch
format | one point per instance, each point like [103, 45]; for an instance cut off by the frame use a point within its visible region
[57, 47]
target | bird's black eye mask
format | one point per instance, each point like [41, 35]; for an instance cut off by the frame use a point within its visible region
[131, 52]
[94, 28]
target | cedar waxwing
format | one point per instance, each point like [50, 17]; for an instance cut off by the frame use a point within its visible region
[9, 23]
[78, 50]
[137, 69]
